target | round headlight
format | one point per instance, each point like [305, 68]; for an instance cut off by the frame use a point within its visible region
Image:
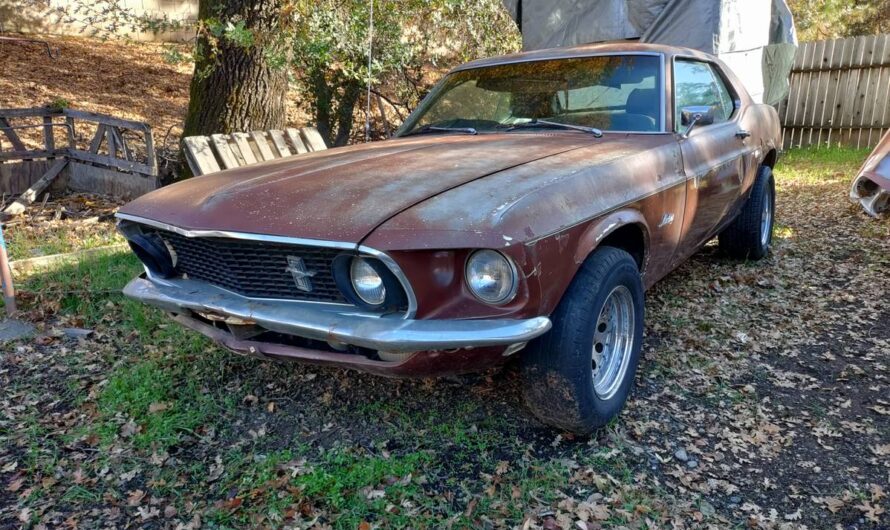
[491, 277]
[368, 285]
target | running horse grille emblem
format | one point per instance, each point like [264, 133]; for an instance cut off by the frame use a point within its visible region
[302, 276]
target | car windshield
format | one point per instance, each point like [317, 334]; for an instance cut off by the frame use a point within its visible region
[611, 93]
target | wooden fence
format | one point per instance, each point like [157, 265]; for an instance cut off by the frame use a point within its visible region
[840, 93]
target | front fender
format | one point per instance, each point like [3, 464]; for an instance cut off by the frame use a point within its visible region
[600, 229]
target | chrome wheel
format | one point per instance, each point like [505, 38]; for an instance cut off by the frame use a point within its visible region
[613, 342]
[766, 219]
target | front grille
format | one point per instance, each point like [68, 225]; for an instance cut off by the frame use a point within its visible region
[255, 269]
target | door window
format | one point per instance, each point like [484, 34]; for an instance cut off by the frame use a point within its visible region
[696, 84]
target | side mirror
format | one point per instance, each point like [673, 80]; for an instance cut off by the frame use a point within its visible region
[696, 115]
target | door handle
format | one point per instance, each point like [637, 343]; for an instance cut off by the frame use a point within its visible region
[742, 134]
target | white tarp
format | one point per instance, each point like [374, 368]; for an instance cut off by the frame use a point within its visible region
[754, 37]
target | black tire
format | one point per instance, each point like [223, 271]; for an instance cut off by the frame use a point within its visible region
[557, 369]
[745, 237]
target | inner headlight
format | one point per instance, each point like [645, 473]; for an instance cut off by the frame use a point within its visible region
[491, 277]
[366, 282]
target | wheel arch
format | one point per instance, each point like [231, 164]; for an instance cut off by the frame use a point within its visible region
[771, 158]
[623, 229]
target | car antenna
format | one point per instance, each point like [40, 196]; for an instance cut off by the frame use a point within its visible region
[370, 52]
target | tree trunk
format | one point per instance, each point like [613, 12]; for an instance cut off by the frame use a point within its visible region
[334, 106]
[234, 87]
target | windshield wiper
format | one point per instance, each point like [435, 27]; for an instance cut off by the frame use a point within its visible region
[544, 123]
[433, 128]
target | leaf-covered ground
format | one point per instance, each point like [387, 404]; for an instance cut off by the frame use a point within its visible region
[762, 402]
[66, 224]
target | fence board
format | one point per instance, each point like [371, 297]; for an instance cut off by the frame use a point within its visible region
[840, 93]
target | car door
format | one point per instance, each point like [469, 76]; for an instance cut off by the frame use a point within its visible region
[712, 152]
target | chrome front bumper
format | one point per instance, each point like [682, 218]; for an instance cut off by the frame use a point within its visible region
[333, 323]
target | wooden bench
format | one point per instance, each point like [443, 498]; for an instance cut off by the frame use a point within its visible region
[209, 154]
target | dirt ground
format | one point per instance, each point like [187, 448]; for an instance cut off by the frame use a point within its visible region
[135, 81]
[139, 81]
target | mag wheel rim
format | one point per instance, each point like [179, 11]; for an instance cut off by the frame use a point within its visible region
[613, 340]
[766, 219]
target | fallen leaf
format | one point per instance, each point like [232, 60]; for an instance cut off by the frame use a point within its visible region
[134, 498]
[15, 485]
[158, 407]
[833, 504]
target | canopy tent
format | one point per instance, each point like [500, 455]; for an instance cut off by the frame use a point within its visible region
[756, 38]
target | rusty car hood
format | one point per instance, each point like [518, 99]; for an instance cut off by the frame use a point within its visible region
[344, 194]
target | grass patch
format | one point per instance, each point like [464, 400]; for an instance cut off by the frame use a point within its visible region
[82, 288]
[810, 166]
[357, 485]
[24, 244]
[159, 407]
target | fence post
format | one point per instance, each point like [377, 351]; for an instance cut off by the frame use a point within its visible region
[6, 277]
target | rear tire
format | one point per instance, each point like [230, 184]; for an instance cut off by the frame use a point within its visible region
[578, 376]
[751, 233]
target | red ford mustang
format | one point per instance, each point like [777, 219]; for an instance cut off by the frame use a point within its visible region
[521, 211]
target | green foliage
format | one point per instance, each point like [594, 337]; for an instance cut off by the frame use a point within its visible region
[59, 103]
[413, 41]
[829, 19]
[173, 55]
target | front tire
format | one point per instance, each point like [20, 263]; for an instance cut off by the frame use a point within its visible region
[751, 233]
[578, 376]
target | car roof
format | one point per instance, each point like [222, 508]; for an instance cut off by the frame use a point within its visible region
[586, 50]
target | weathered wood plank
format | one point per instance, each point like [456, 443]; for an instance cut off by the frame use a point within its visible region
[199, 156]
[111, 142]
[30, 195]
[242, 143]
[18, 176]
[11, 135]
[259, 138]
[868, 88]
[279, 142]
[94, 179]
[49, 140]
[836, 58]
[221, 144]
[313, 139]
[27, 113]
[31, 155]
[70, 131]
[296, 141]
[107, 120]
[105, 160]
[148, 138]
[97, 139]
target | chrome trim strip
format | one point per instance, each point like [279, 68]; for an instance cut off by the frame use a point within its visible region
[375, 332]
[246, 236]
[238, 235]
[394, 267]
